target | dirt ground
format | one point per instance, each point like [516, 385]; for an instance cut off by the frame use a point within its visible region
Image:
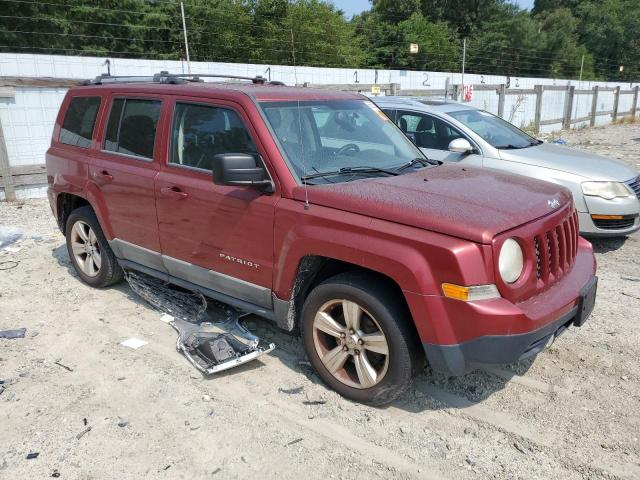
[572, 413]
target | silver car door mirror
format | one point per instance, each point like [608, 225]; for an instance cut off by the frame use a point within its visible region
[460, 145]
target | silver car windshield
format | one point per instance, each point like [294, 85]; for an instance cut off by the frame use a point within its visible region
[346, 138]
[494, 130]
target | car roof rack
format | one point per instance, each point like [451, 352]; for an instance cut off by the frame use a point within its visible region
[173, 78]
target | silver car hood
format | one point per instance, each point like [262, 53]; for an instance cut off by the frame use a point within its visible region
[577, 162]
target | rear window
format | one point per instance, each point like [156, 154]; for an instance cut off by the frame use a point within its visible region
[77, 127]
[132, 127]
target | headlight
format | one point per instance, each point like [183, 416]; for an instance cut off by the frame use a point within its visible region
[510, 261]
[606, 190]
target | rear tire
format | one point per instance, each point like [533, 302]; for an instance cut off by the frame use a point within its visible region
[89, 250]
[359, 338]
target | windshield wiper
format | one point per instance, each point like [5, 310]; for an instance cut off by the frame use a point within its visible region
[418, 160]
[515, 147]
[348, 170]
[510, 147]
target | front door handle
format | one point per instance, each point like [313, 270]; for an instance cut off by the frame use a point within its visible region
[103, 176]
[173, 192]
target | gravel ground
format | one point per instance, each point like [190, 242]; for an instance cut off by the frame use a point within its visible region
[572, 413]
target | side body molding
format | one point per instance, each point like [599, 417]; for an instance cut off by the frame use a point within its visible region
[154, 263]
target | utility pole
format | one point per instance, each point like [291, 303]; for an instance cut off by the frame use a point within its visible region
[581, 67]
[464, 58]
[186, 42]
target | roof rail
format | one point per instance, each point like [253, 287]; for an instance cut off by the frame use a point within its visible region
[105, 78]
[172, 78]
[166, 77]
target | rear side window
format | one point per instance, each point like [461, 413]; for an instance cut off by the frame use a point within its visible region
[77, 127]
[200, 132]
[132, 127]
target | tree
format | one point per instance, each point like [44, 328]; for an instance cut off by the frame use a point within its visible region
[387, 40]
[507, 46]
[609, 31]
[561, 50]
[501, 38]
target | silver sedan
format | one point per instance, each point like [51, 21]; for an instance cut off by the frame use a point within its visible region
[606, 192]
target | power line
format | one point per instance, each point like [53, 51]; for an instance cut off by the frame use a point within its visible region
[525, 63]
[549, 56]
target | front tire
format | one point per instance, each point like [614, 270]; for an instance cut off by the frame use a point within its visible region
[358, 337]
[89, 250]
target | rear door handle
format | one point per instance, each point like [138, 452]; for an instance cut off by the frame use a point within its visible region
[103, 176]
[173, 192]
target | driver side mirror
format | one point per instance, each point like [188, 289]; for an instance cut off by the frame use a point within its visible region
[240, 169]
[460, 145]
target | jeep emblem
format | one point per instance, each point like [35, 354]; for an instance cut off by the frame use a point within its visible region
[553, 204]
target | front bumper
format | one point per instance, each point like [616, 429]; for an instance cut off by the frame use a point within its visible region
[628, 207]
[458, 359]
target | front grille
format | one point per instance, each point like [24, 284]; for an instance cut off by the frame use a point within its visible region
[626, 221]
[556, 250]
[634, 184]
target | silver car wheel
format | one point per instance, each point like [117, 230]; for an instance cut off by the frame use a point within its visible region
[350, 344]
[86, 250]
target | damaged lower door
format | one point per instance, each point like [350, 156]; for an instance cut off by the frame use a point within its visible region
[210, 334]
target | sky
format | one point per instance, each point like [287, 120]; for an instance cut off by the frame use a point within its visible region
[351, 7]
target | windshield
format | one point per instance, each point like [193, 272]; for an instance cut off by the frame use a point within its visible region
[496, 131]
[339, 136]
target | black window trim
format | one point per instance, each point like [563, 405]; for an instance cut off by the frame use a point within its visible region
[473, 143]
[95, 122]
[169, 163]
[127, 155]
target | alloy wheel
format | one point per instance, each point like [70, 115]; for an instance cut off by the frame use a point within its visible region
[350, 343]
[86, 250]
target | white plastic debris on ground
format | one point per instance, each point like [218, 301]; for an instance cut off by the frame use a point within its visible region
[8, 236]
[134, 343]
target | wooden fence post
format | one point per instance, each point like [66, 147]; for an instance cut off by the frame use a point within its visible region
[502, 93]
[594, 106]
[568, 107]
[536, 122]
[5, 170]
[634, 104]
[616, 101]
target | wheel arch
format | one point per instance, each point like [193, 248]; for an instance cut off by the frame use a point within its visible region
[66, 202]
[315, 269]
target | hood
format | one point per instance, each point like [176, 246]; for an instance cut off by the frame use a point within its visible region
[570, 160]
[465, 202]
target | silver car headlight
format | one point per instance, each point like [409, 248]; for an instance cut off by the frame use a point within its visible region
[606, 190]
[510, 261]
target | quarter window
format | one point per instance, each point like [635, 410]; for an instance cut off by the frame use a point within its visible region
[132, 127]
[199, 132]
[77, 127]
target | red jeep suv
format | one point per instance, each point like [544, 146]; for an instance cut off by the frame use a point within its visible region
[310, 208]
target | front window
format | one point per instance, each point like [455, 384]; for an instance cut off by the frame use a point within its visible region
[201, 131]
[494, 130]
[347, 138]
[427, 131]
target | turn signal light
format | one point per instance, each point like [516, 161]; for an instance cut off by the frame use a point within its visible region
[607, 217]
[470, 294]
